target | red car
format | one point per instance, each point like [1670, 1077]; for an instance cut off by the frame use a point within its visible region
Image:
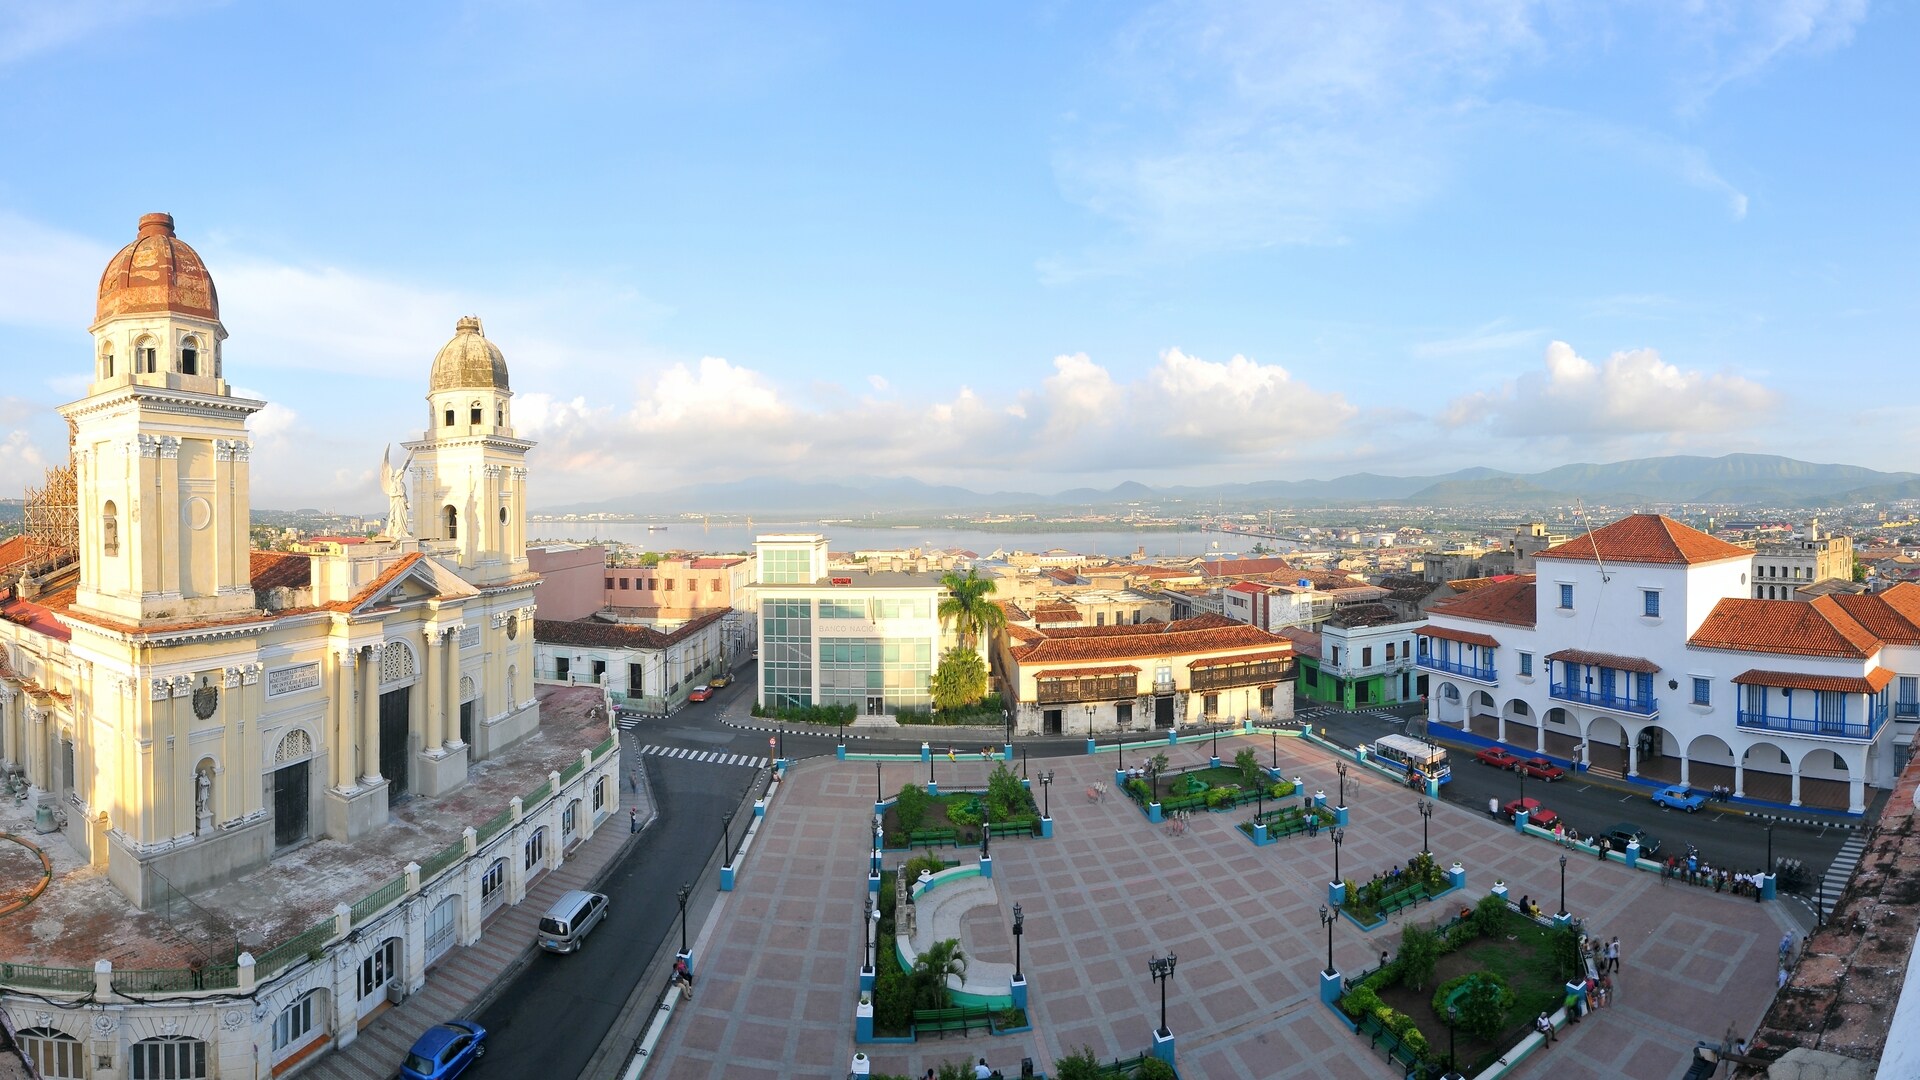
[1497, 757]
[1541, 769]
[1536, 814]
[700, 693]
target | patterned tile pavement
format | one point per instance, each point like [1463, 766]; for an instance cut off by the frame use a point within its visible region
[780, 963]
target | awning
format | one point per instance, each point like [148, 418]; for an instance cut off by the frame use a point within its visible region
[1607, 660]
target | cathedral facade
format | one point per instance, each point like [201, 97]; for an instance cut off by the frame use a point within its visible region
[185, 708]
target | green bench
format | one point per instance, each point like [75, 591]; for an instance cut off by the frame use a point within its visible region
[931, 837]
[1379, 1038]
[962, 1019]
[1011, 828]
[1124, 1066]
[1402, 900]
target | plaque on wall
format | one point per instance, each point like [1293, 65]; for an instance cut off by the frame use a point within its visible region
[293, 679]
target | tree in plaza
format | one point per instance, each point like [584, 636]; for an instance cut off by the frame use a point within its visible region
[930, 971]
[960, 680]
[967, 608]
[1249, 765]
[1419, 953]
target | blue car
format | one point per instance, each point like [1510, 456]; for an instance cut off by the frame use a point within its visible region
[444, 1050]
[1679, 797]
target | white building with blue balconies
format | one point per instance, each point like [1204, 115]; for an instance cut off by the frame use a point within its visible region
[1636, 649]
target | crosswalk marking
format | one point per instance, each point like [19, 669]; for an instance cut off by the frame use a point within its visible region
[1841, 868]
[706, 757]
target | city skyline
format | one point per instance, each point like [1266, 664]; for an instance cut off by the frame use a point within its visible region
[1005, 249]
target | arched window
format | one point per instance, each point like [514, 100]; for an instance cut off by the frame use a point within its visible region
[536, 848]
[190, 356]
[500, 417]
[146, 357]
[295, 1024]
[503, 515]
[453, 522]
[475, 413]
[449, 417]
[56, 1053]
[109, 529]
[169, 1057]
[106, 362]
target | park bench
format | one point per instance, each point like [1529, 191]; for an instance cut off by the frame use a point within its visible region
[931, 837]
[1010, 828]
[1288, 827]
[962, 1019]
[1406, 898]
[1379, 1038]
[1124, 1066]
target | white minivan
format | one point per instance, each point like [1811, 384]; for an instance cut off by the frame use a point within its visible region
[565, 926]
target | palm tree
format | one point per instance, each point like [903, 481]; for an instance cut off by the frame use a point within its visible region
[931, 968]
[966, 606]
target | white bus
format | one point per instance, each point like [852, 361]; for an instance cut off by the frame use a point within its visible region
[1409, 754]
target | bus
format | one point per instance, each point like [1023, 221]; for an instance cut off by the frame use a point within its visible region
[1413, 755]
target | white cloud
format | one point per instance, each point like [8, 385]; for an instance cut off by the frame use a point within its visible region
[879, 383]
[1633, 393]
[1242, 405]
[28, 27]
[1737, 39]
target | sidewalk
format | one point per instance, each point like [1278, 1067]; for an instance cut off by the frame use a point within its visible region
[466, 978]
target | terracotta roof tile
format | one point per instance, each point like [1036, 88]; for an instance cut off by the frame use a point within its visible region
[1606, 660]
[1820, 628]
[1875, 681]
[1509, 602]
[1206, 633]
[1239, 567]
[1466, 637]
[1088, 672]
[1646, 538]
[1243, 658]
[606, 635]
[279, 569]
[1305, 642]
[12, 550]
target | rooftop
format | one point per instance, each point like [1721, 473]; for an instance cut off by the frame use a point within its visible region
[1646, 538]
[1202, 634]
[81, 917]
[1509, 602]
[1819, 628]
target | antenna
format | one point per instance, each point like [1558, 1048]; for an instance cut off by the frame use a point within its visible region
[1580, 507]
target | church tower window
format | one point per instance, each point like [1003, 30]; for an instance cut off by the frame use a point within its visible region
[190, 356]
[475, 414]
[453, 523]
[146, 358]
[449, 417]
[106, 362]
[109, 529]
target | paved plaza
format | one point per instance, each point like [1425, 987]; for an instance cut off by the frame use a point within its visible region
[779, 964]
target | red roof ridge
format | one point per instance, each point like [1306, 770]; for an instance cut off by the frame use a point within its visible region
[1646, 538]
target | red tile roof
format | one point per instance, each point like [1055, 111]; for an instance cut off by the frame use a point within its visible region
[1204, 634]
[1607, 660]
[606, 635]
[1646, 538]
[1875, 681]
[1892, 616]
[1464, 636]
[276, 569]
[1237, 567]
[1243, 658]
[1509, 602]
[1253, 587]
[716, 562]
[13, 549]
[1820, 628]
[1305, 642]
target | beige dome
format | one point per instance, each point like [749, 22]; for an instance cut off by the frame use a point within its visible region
[469, 361]
[158, 272]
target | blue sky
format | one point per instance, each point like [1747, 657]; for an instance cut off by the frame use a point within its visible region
[1011, 246]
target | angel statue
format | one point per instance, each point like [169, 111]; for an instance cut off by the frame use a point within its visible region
[399, 524]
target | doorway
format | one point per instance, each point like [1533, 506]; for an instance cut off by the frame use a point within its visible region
[290, 803]
[466, 722]
[1163, 712]
[1050, 722]
[876, 705]
[394, 723]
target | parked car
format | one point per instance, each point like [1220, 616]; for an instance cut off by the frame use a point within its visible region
[1497, 757]
[1536, 814]
[1541, 769]
[1679, 797]
[444, 1051]
[1627, 832]
[719, 681]
[700, 693]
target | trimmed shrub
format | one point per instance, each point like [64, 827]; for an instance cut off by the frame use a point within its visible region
[1155, 1069]
[1280, 790]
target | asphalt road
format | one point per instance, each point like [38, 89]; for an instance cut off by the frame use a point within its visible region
[554, 1014]
[1724, 839]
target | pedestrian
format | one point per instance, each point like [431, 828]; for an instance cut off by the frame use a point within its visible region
[683, 976]
[1545, 1027]
[198, 970]
[633, 779]
[981, 1071]
[1613, 955]
[1383, 958]
[1786, 948]
[633, 819]
[1493, 806]
[1313, 824]
[1782, 984]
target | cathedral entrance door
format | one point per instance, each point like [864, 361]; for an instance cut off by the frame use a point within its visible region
[290, 802]
[393, 739]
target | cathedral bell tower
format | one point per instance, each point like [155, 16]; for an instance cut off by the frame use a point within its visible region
[469, 472]
[160, 444]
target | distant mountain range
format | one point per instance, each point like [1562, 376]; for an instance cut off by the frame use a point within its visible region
[1735, 479]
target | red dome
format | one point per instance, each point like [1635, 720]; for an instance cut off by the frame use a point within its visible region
[157, 272]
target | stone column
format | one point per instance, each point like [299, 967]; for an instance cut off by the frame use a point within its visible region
[370, 714]
[1685, 772]
[450, 714]
[343, 720]
[1633, 756]
[1740, 775]
[1796, 785]
[432, 723]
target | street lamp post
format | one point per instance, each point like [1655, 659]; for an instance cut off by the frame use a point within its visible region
[684, 891]
[1453, 1020]
[1089, 722]
[866, 934]
[986, 836]
[1275, 733]
[1770, 868]
[930, 766]
[1023, 763]
[1161, 968]
[1215, 752]
[1121, 742]
[1338, 835]
[1563, 887]
[1327, 919]
[879, 792]
[1426, 813]
[1019, 928]
[1046, 793]
[1342, 770]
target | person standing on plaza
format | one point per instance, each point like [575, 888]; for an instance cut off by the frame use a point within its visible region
[1613, 955]
[633, 819]
[1786, 948]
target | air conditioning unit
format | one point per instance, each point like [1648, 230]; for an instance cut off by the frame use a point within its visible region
[396, 991]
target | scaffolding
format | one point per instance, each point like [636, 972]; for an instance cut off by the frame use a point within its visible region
[53, 517]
